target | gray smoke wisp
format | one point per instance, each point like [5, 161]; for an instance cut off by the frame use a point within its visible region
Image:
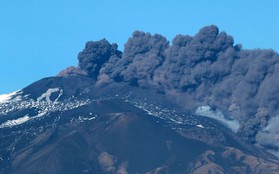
[206, 69]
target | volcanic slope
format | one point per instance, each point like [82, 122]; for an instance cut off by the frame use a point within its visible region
[70, 125]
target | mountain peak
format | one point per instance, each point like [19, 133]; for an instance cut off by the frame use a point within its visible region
[198, 105]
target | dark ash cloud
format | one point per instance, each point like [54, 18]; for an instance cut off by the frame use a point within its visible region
[206, 69]
[143, 53]
[92, 58]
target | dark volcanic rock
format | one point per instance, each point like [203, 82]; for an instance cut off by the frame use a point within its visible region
[75, 127]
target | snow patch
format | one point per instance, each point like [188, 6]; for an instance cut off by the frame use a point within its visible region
[81, 118]
[5, 98]
[200, 126]
[48, 94]
[15, 122]
[21, 120]
[216, 114]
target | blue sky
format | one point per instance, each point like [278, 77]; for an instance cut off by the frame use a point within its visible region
[40, 38]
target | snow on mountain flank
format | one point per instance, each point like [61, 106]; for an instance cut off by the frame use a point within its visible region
[15, 122]
[200, 126]
[48, 93]
[82, 118]
[5, 98]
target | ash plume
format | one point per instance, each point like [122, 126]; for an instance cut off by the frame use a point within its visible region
[143, 53]
[92, 58]
[206, 69]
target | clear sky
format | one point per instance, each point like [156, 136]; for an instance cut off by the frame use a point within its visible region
[38, 38]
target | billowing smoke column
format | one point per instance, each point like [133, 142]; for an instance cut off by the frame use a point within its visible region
[95, 54]
[92, 58]
[202, 70]
[143, 54]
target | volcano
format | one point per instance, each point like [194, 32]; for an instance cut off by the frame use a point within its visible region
[107, 116]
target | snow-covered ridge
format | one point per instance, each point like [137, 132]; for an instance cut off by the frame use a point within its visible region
[46, 104]
[43, 105]
[170, 115]
[5, 98]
